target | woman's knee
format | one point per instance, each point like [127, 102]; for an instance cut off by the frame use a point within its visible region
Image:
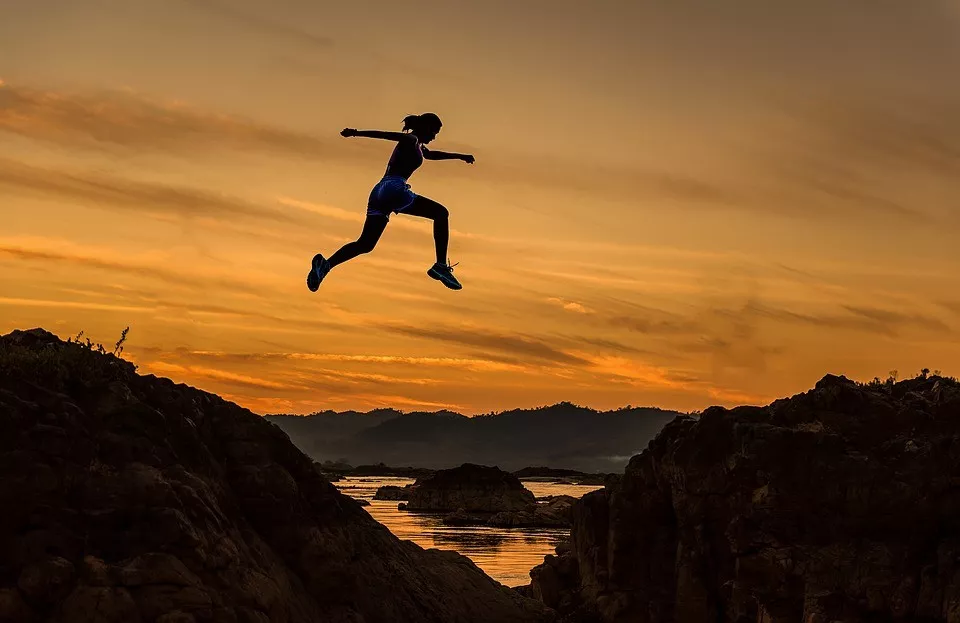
[442, 213]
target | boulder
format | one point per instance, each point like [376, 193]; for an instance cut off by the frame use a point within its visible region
[473, 488]
[393, 493]
[554, 512]
[47, 580]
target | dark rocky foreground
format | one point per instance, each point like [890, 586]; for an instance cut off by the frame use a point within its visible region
[839, 505]
[129, 498]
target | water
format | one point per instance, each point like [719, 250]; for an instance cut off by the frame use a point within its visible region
[505, 554]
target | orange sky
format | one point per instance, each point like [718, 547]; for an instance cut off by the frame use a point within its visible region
[678, 204]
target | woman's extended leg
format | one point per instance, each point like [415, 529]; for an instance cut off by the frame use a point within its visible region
[372, 230]
[428, 208]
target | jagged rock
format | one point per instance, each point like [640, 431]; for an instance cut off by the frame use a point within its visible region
[393, 493]
[46, 580]
[100, 604]
[473, 488]
[13, 609]
[559, 476]
[554, 512]
[157, 569]
[130, 498]
[838, 505]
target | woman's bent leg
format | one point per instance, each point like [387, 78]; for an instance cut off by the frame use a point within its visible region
[428, 208]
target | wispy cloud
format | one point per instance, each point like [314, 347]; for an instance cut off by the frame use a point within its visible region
[111, 307]
[476, 364]
[106, 260]
[327, 211]
[231, 378]
[511, 344]
[839, 164]
[113, 192]
[612, 345]
[670, 326]
[570, 306]
[644, 375]
[953, 306]
[128, 119]
[895, 318]
[260, 23]
[859, 318]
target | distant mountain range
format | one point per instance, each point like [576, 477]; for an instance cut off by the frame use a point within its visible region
[560, 436]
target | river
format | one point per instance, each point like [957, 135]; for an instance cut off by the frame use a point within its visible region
[505, 554]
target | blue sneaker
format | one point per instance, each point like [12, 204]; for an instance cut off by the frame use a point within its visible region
[319, 269]
[444, 273]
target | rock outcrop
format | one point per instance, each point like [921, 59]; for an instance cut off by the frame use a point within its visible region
[556, 512]
[560, 476]
[470, 488]
[839, 505]
[130, 498]
[393, 493]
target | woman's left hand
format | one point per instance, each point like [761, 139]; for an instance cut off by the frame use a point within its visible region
[468, 159]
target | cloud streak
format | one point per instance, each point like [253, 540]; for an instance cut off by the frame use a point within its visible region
[129, 267]
[475, 364]
[836, 164]
[118, 193]
[515, 345]
[126, 119]
[858, 318]
[266, 25]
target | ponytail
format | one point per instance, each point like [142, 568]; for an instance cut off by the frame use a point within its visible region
[410, 122]
[427, 120]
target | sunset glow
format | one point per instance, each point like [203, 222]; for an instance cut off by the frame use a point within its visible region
[673, 203]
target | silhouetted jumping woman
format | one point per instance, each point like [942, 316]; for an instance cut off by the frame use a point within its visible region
[393, 194]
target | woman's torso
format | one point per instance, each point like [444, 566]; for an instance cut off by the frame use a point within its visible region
[405, 159]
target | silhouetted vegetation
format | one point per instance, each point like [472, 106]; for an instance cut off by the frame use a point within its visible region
[892, 379]
[72, 363]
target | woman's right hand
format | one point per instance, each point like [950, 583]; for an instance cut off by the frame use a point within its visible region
[348, 132]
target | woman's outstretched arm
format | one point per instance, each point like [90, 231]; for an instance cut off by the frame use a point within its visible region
[429, 154]
[390, 136]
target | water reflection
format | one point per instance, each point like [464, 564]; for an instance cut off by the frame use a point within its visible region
[469, 542]
[505, 554]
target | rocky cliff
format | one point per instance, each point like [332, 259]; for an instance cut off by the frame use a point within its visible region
[130, 498]
[841, 504]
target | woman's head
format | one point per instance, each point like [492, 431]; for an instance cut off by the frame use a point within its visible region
[425, 126]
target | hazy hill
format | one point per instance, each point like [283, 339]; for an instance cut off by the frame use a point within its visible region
[563, 436]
